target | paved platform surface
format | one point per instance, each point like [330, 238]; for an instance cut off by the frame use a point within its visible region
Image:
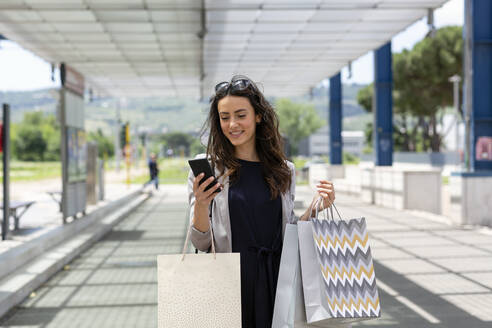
[44, 215]
[46, 211]
[430, 274]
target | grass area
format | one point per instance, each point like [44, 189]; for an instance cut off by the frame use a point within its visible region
[349, 159]
[175, 171]
[171, 171]
[299, 162]
[301, 182]
[33, 171]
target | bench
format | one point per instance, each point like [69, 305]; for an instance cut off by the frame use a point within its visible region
[17, 210]
[57, 197]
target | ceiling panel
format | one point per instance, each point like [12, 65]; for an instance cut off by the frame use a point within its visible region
[230, 28]
[13, 4]
[133, 27]
[21, 16]
[67, 15]
[177, 27]
[339, 15]
[173, 4]
[91, 27]
[53, 3]
[34, 27]
[285, 16]
[159, 47]
[277, 28]
[123, 16]
[114, 4]
[237, 16]
[175, 16]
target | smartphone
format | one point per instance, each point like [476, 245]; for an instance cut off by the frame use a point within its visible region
[202, 165]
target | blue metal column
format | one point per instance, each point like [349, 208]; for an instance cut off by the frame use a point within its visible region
[335, 117]
[481, 79]
[383, 106]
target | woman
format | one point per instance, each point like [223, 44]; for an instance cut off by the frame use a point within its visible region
[254, 198]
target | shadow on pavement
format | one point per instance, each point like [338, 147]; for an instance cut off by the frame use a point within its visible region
[396, 314]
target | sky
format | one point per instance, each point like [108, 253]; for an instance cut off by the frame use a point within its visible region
[451, 13]
[22, 70]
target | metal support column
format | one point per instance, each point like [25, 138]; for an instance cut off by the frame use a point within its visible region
[478, 82]
[6, 169]
[383, 106]
[335, 118]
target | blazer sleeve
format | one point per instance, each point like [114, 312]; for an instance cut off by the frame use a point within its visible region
[292, 167]
[201, 240]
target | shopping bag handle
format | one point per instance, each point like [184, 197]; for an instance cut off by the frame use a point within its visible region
[185, 247]
[318, 202]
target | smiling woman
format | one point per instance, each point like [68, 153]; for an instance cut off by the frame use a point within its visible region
[239, 116]
[237, 121]
[255, 194]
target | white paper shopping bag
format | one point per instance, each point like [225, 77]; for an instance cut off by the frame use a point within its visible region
[199, 290]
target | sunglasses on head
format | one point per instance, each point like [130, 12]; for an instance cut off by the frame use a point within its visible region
[236, 85]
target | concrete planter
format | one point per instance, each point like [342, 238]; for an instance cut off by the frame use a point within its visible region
[471, 198]
[402, 189]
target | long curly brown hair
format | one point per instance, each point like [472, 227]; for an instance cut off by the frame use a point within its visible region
[269, 145]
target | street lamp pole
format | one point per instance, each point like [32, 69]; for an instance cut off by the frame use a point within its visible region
[456, 79]
[117, 148]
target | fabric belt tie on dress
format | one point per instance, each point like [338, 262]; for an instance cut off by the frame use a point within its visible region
[264, 257]
[265, 262]
[262, 251]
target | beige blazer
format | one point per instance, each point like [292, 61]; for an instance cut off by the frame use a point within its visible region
[221, 222]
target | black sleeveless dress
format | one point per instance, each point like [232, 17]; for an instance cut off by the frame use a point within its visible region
[256, 227]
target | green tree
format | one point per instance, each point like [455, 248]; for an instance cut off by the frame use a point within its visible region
[421, 90]
[105, 145]
[50, 129]
[297, 121]
[29, 144]
[34, 118]
[399, 137]
[36, 138]
[364, 97]
[177, 141]
[196, 147]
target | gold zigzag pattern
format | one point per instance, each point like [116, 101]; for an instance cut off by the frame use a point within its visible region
[365, 304]
[341, 274]
[351, 242]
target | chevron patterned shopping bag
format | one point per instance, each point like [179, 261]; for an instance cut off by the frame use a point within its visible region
[337, 271]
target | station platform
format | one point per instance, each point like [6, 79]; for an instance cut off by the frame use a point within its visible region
[429, 273]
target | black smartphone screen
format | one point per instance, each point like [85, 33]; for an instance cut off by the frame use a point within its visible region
[202, 165]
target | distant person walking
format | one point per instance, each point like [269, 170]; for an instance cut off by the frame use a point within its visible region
[255, 197]
[153, 171]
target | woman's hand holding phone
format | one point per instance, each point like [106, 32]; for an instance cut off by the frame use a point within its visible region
[202, 201]
[204, 197]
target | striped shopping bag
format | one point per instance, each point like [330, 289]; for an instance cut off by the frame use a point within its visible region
[345, 288]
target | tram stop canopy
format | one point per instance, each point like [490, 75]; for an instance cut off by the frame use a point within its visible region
[184, 47]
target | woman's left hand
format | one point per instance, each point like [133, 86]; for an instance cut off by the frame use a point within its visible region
[326, 190]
